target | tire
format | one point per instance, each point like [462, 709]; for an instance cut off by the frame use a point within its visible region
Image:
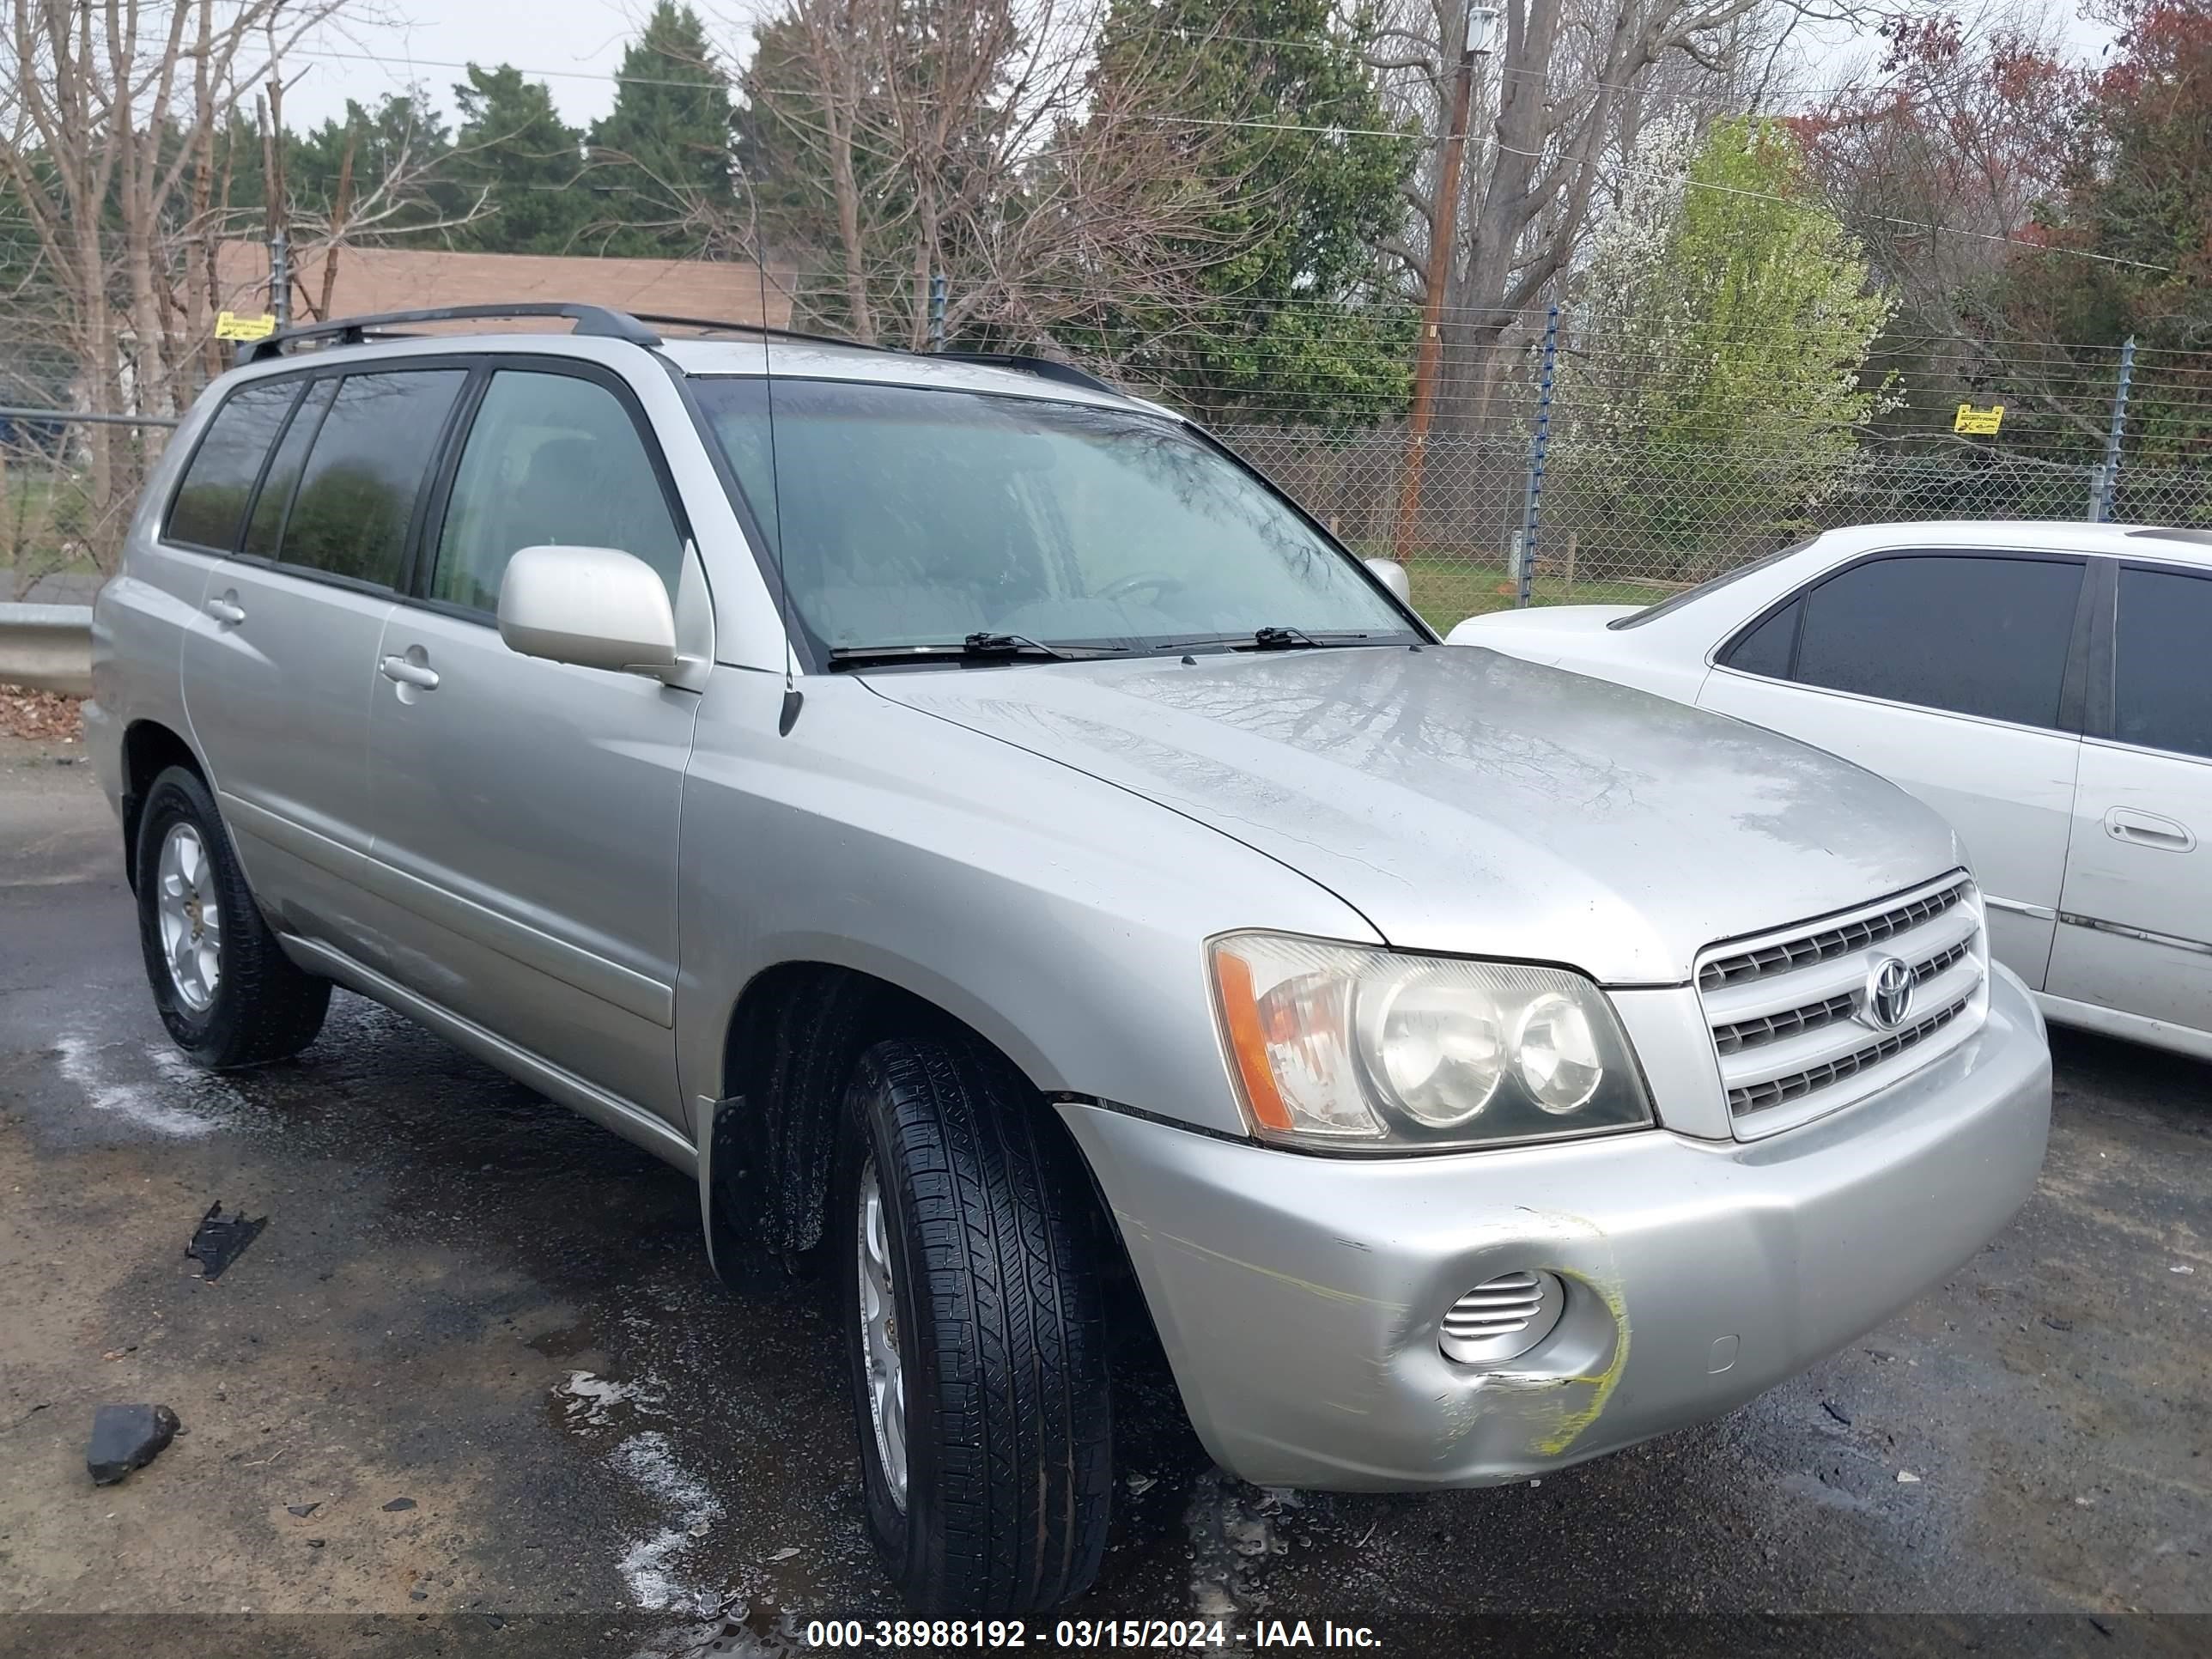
[999, 1335]
[228, 995]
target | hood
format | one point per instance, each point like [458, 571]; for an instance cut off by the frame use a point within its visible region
[1467, 801]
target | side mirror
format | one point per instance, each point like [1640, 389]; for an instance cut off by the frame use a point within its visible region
[1393, 577]
[597, 607]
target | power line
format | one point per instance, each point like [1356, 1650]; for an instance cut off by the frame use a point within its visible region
[1421, 140]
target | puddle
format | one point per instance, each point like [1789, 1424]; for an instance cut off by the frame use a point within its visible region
[586, 1400]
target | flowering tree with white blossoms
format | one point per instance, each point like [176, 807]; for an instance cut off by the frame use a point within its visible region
[1714, 389]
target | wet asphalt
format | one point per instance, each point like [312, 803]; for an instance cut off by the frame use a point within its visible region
[480, 1337]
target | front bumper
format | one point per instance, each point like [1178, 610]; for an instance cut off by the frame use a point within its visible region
[1300, 1297]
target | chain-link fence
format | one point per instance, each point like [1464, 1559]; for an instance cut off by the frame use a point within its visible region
[67, 485]
[1642, 487]
[1627, 524]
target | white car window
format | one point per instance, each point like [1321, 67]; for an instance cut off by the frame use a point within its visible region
[1967, 634]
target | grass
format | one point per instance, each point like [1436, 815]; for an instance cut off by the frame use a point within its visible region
[1449, 591]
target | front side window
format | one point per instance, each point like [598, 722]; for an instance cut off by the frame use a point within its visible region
[1984, 636]
[911, 516]
[550, 458]
[2163, 678]
[357, 492]
[212, 498]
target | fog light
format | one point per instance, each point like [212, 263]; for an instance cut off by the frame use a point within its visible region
[1502, 1318]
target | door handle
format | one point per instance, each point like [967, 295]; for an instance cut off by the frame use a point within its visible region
[421, 676]
[2148, 830]
[226, 610]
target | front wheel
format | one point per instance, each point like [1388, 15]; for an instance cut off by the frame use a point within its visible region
[223, 987]
[967, 1267]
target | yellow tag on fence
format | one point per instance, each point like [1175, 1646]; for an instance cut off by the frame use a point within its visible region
[229, 325]
[1979, 423]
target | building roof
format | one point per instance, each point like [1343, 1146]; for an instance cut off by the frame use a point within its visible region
[369, 280]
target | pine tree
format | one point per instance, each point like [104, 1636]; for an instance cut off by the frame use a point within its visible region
[514, 145]
[1296, 327]
[660, 160]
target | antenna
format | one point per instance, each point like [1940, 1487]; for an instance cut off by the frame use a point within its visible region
[793, 698]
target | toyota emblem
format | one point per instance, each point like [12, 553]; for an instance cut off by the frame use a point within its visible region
[1889, 993]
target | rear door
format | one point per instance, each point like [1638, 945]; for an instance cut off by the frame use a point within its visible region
[2135, 929]
[526, 809]
[277, 669]
[1956, 674]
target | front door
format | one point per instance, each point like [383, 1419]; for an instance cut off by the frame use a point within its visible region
[2135, 925]
[1947, 673]
[526, 809]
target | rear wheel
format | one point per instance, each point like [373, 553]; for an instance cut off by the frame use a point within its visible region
[966, 1270]
[223, 987]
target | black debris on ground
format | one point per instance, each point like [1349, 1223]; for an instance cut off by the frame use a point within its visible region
[398, 1504]
[127, 1437]
[220, 1239]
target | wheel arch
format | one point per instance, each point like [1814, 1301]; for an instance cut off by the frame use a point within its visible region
[149, 748]
[789, 1046]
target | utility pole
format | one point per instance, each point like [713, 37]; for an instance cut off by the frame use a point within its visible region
[275, 218]
[937, 311]
[1443, 231]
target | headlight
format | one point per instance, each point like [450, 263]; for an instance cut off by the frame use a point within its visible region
[1371, 1050]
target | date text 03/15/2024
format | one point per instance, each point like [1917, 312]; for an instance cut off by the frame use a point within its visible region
[1166, 1635]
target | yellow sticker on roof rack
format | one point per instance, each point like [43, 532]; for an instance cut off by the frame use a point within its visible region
[1979, 423]
[229, 325]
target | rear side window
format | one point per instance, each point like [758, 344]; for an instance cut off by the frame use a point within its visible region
[1766, 649]
[262, 529]
[1971, 635]
[212, 498]
[365, 473]
[2162, 675]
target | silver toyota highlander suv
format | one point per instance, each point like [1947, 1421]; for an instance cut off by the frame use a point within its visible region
[994, 840]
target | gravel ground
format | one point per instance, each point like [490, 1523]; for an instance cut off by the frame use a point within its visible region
[479, 1337]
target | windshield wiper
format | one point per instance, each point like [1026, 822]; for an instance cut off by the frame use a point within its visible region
[1282, 639]
[976, 647]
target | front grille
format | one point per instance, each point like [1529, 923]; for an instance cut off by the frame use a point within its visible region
[1827, 944]
[1791, 1016]
[1779, 1090]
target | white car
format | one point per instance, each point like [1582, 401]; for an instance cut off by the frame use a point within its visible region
[2047, 687]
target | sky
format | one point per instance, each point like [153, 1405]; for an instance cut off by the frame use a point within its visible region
[575, 47]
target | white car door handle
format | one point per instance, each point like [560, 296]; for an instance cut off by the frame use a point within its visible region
[2148, 830]
[421, 676]
[226, 610]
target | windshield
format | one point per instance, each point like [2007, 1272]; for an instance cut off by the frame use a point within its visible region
[913, 516]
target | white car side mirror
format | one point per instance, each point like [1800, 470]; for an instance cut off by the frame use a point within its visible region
[1393, 577]
[597, 607]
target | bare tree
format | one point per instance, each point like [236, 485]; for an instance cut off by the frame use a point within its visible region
[108, 119]
[1563, 89]
[973, 139]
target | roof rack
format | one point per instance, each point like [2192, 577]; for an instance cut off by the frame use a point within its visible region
[638, 328]
[769, 330]
[601, 320]
[1045, 368]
